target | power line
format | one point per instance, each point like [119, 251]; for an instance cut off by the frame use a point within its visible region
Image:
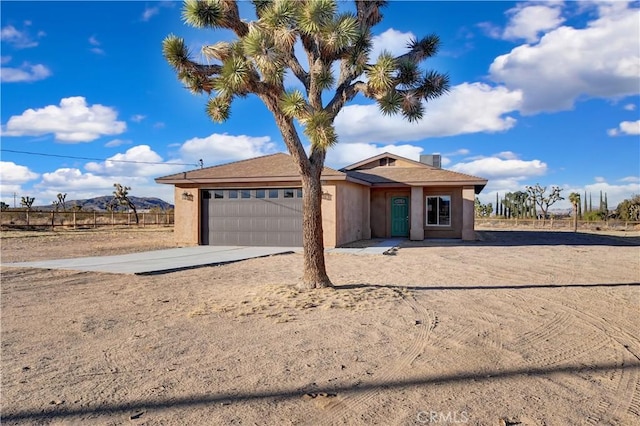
[101, 159]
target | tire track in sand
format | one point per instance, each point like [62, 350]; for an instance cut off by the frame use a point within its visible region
[351, 407]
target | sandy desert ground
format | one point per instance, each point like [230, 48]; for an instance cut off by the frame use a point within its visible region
[527, 328]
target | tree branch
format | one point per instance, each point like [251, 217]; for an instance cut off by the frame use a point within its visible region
[345, 93]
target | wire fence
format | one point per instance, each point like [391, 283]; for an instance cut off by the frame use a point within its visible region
[22, 219]
[560, 224]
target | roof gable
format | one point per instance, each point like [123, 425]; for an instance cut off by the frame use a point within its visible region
[374, 161]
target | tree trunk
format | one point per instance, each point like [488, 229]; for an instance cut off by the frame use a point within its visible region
[314, 270]
[575, 218]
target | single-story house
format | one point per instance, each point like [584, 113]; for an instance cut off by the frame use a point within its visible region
[259, 202]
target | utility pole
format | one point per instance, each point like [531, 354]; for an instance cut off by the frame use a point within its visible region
[14, 199]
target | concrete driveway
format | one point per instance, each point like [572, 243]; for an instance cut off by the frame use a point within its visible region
[158, 261]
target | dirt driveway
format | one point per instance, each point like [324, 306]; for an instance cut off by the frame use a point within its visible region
[537, 328]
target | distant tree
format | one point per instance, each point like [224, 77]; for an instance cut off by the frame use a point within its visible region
[574, 198]
[61, 203]
[121, 196]
[590, 203]
[606, 205]
[629, 209]
[332, 42]
[483, 210]
[539, 197]
[585, 209]
[27, 202]
[4, 206]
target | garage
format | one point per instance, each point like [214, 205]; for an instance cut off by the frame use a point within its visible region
[252, 217]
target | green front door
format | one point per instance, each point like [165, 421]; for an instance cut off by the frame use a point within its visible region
[399, 216]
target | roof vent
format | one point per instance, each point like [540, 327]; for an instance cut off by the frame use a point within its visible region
[433, 160]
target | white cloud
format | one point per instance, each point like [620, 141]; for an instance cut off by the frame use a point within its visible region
[626, 128]
[24, 74]
[599, 61]
[599, 179]
[19, 39]
[221, 148]
[117, 142]
[495, 167]
[94, 41]
[137, 118]
[468, 108]
[630, 107]
[393, 41]
[615, 193]
[344, 154]
[630, 179]
[528, 21]
[98, 51]
[149, 13]
[14, 174]
[136, 161]
[5, 60]
[72, 122]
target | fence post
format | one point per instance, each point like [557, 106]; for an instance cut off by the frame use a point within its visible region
[53, 218]
[143, 220]
[95, 223]
[74, 219]
[112, 220]
[157, 221]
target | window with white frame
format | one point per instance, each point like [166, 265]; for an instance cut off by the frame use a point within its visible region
[439, 210]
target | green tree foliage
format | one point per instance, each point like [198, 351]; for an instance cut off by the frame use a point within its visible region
[629, 209]
[483, 210]
[255, 63]
[574, 198]
[4, 206]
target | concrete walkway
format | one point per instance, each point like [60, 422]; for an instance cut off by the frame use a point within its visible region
[384, 247]
[176, 259]
[157, 261]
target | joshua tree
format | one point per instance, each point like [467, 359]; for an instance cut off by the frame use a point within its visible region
[537, 195]
[255, 63]
[121, 197]
[4, 206]
[27, 202]
[61, 203]
[574, 198]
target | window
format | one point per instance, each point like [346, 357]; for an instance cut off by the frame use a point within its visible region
[288, 193]
[273, 193]
[259, 193]
[299, 193]
[218, 194]
[245, 193]
[233, 193]
[439, 210]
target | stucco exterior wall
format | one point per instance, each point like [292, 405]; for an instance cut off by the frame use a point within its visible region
[381, 209]
[455, 230]
[468, 213]
[352, 214]
[329, 210]
[186, 227]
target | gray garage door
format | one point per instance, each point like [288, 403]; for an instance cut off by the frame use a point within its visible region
[252, 217]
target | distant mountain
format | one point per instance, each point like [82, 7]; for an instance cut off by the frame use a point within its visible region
[101, 203]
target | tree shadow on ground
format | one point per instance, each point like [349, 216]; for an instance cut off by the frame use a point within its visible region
[483, 287]
[192, 401]
[532, 238]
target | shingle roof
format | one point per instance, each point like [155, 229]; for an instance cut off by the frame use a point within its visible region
[416, 176]
[273, 167]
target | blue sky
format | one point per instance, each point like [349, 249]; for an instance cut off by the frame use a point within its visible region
[542, 92]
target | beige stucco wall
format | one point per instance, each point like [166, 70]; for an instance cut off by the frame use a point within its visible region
[186, 229]
[352, 214]
[416, 230]
[468, 213]
[329, 202]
